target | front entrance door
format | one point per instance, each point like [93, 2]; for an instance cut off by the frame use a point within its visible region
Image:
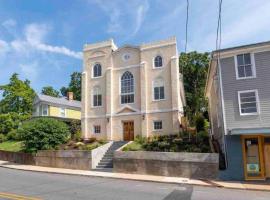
[253, 157]
[267, 156]
[128, 129]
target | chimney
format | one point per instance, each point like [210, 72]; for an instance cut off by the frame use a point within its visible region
[70, 96]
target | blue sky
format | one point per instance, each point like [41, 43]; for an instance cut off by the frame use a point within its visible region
[42, 40]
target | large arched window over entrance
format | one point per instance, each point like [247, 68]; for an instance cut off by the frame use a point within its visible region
[127, 88]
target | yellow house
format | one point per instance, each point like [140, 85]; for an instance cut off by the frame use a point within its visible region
[59, 107]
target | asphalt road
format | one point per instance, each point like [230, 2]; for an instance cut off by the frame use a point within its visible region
[15, 184]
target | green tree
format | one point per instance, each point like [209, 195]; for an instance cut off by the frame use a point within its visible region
[74, 86]
[194, 67]
[18, 96]
[50, 91]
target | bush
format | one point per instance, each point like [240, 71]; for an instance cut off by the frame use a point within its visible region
[13, 135]
[11, 121]
[199, 120]
[75, 129]
[43, 134]
[2, 138]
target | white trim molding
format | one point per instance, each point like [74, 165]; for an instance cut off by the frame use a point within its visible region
[257, 102]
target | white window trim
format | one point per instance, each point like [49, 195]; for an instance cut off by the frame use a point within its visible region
[257, 102]
[154, 125]
[92, 99]
[94, 129]
[64, 112]
[42, 106]
[153, 92]
[153, 62]
[120, 94]
[92, 74]
[253, 67]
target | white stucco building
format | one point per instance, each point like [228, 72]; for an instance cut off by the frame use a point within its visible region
[131, 90]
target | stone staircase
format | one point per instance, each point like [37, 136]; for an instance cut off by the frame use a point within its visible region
[107, 160]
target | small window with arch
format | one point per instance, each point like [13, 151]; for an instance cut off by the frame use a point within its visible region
[158, 62]
[97, 70]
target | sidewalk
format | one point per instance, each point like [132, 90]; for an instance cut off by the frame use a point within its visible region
[162, 179]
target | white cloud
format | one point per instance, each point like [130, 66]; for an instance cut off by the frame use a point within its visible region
[4, 47]
[125, 17]
[141, 11]
[34, 41]
[9, 23]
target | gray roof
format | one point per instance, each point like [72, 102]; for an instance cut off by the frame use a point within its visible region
[243, 46]
[61, 101]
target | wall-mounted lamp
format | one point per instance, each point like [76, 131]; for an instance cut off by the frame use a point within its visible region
[108, 119]
[143, 117]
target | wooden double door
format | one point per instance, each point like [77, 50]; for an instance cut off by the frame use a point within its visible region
[128, 130]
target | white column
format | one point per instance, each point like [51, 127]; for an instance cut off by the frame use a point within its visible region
[84, 108]
[175, 93]
[144, 99]
[109, 104]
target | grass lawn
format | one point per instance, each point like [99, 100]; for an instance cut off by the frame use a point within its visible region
[14, 146]
[134, 146]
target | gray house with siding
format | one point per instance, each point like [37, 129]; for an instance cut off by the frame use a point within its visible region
[238, 91]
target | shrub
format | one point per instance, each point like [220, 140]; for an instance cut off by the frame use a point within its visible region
[43, 134]
[6, 123]
[11, 121]
[13, 135]
[75, 129]
[199, 120]
[2, 138]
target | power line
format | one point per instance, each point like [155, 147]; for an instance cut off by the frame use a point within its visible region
[187, 26]
[218, 36]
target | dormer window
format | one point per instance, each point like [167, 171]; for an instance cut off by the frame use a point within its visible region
[97, 70]
[158, 62]
[245, 67]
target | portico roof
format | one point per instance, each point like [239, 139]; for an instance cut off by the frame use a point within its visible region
[250, 131]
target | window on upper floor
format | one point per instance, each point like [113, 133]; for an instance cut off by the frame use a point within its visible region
[97, 129]
[157, 125]
[158, 89]
[127, 88]
[97, 70]
[97, 97]
[248, 102]
[245, 67]
[158, 62]
[62, 112]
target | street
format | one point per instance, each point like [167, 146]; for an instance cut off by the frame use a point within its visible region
[15, 184]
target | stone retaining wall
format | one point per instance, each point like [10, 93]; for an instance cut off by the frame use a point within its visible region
[174, 164]
[69, 159]
[17, 157]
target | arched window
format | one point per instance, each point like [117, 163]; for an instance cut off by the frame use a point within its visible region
[97, 97]
[158, 89]
[158, 61]
[97, 70]
[127, 88]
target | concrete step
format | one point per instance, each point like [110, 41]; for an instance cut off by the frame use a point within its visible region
[105, 166]
[104, 163]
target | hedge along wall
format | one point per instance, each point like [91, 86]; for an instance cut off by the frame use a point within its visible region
[181, 164]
